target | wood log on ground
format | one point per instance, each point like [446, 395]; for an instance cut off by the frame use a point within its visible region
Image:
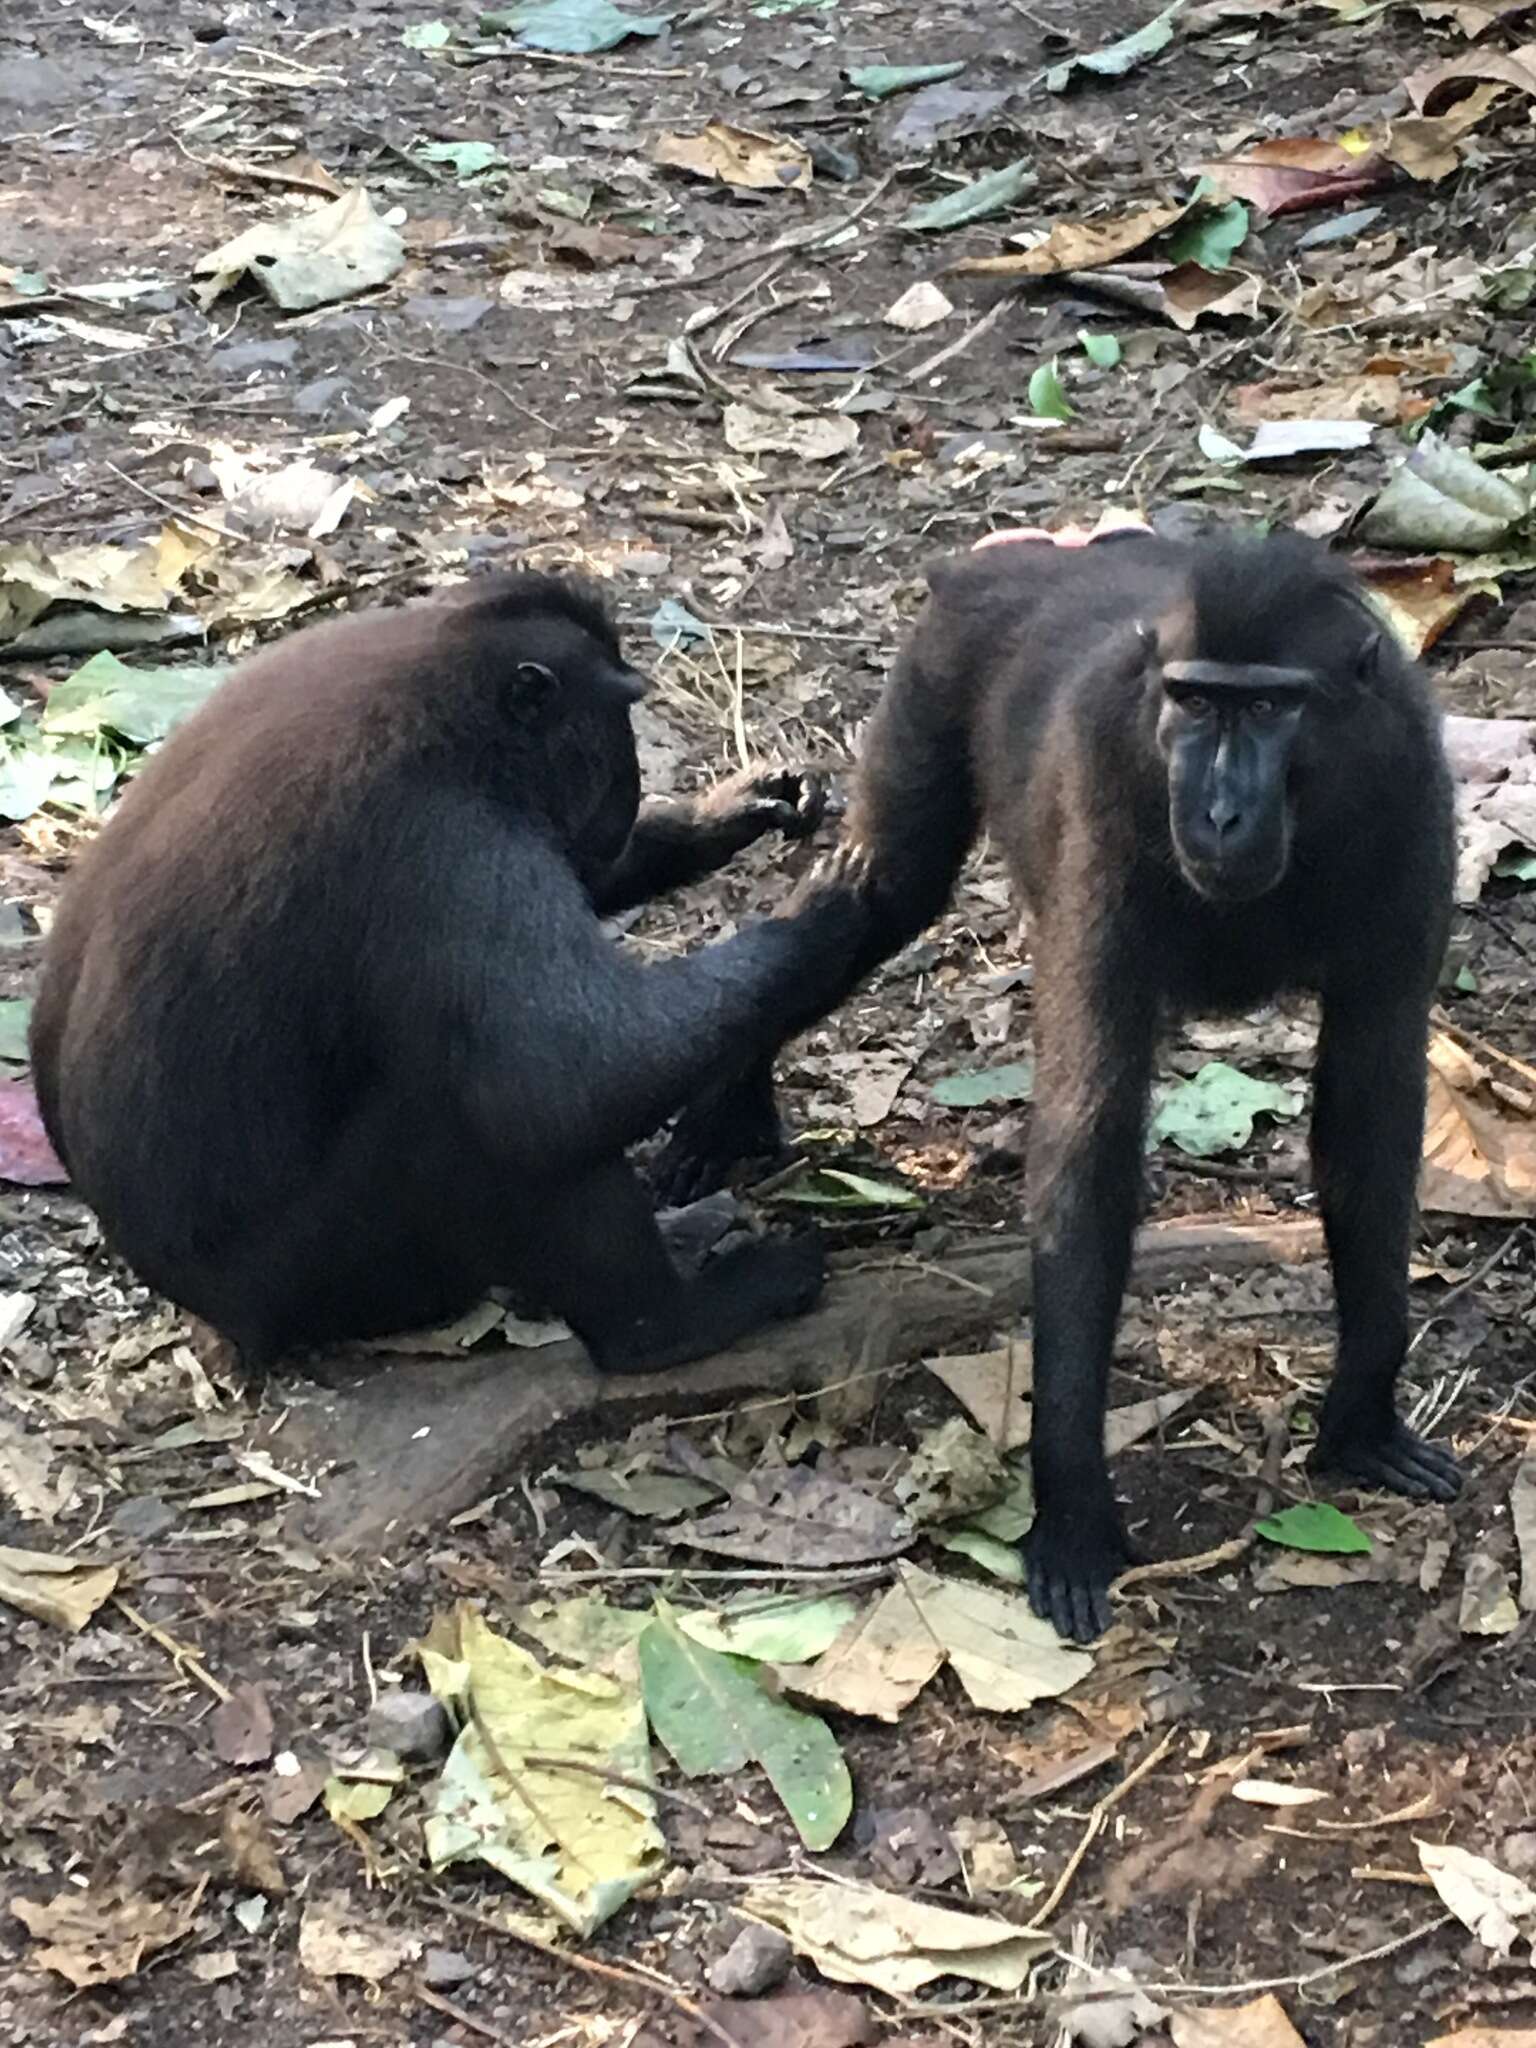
[423, 1438]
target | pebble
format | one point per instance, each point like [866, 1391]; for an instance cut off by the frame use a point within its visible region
[413, 1724]
[442, 1968]
[755, 1962]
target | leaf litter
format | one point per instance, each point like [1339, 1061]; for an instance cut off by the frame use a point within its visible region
[1333, 307]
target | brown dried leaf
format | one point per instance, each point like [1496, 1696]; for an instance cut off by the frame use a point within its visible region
[62, 1591]
[1367, 396]
[1424, 145]
[1419, 599]
[1078, 245]
[1503, 67]
[1260, 2025]
[876, 1667]
[738, 156]
[1293, 173]
[242, 1727]
[336, 1941]
[1479, 1151]
[98, 1938]
[797, 1517]
[1183, 293]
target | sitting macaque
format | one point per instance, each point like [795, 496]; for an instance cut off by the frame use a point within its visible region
[1215, 779]
[330, 1035]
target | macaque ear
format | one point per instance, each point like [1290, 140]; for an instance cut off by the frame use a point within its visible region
[535, 687]
[627, 683]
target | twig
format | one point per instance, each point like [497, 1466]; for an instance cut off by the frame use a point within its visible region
[1479, 1273]
[974, 332]
[1276, 1432]
[258, 174]
[1297, 1983]
[1096, 1821]
[461, 2015]
[481, 54]
[829, 1577]
[548, 1760]
[634, 1980]
[187, 518]
[797, 239]
[183, 1658]
[685, 515]
[396, 355]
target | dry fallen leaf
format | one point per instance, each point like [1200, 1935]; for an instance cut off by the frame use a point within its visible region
[1369, 395]
[1487, 1603]
[1294, 172]
[99, 1938]
[1262, 2024]
[336, 1940]
[1420, 599]
[738, 156]
[1522, 1509]
[920, 306]
[814, 436]
[876, 1667]
[1479, 1151]
[1275, 1792]
[242, 1727]
[858, 1934]
[1498, 1908]
[62, 1591]
[1078, 245]
[1181, 292]
[1515, 68]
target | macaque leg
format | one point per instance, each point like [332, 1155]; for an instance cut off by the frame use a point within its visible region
[596, 1257]
[1095, 1034]
[1367, 1141]
[914, 814]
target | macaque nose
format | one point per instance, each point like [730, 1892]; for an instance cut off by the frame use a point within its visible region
[1225, 815]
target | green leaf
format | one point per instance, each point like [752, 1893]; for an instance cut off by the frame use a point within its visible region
[571, 28]
[1102, 350]
[1215, 1111]
[711, 1714]
[27, 776]
[426, 35]
[830, 1187]
[1047, 397]
[465, 159]
[1012, 1083]
[15, 1015]
[31, 284]
[1516, 867]
[1115, 59]
[785, 1632]
[139, 704]
[1315, 1525]
[1003, 1560]
[879, 81]
[1466, 981]
[1209, 239]
[979, 200]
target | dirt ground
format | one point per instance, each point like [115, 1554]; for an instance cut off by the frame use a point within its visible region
[551, 377]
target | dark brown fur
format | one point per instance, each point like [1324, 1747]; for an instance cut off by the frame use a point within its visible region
[1025, 699]
[329, 1033]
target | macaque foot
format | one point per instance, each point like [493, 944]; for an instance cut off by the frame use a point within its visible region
[763, 1282]
[1396, 1458]
[723, 1129]
[1072, 1559]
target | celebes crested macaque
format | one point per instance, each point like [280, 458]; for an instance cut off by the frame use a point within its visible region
[330, 1035]
[1214, 779]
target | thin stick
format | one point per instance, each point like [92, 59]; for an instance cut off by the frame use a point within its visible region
[633, 1980]
[461, 2015]
[974, 332]
[548, 1760]
[259, 174]
[526, 412]
[481, 54]
[829, 1576]
[1096, 1821]
[187, 518]
[796, 239]
[183, 1658]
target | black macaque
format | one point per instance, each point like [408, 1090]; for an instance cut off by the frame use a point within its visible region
[1214, 780]
[329, 1033]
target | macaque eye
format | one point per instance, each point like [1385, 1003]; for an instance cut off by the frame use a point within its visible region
[1262, 707]
[1197, 707]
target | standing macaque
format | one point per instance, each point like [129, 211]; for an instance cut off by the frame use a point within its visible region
[330, 1035]
[1215, 780]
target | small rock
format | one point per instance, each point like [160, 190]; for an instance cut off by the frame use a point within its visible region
[413, 1724]
[442, 1968]
[755, 1962]
[1519, 1854]
[144, 1517]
